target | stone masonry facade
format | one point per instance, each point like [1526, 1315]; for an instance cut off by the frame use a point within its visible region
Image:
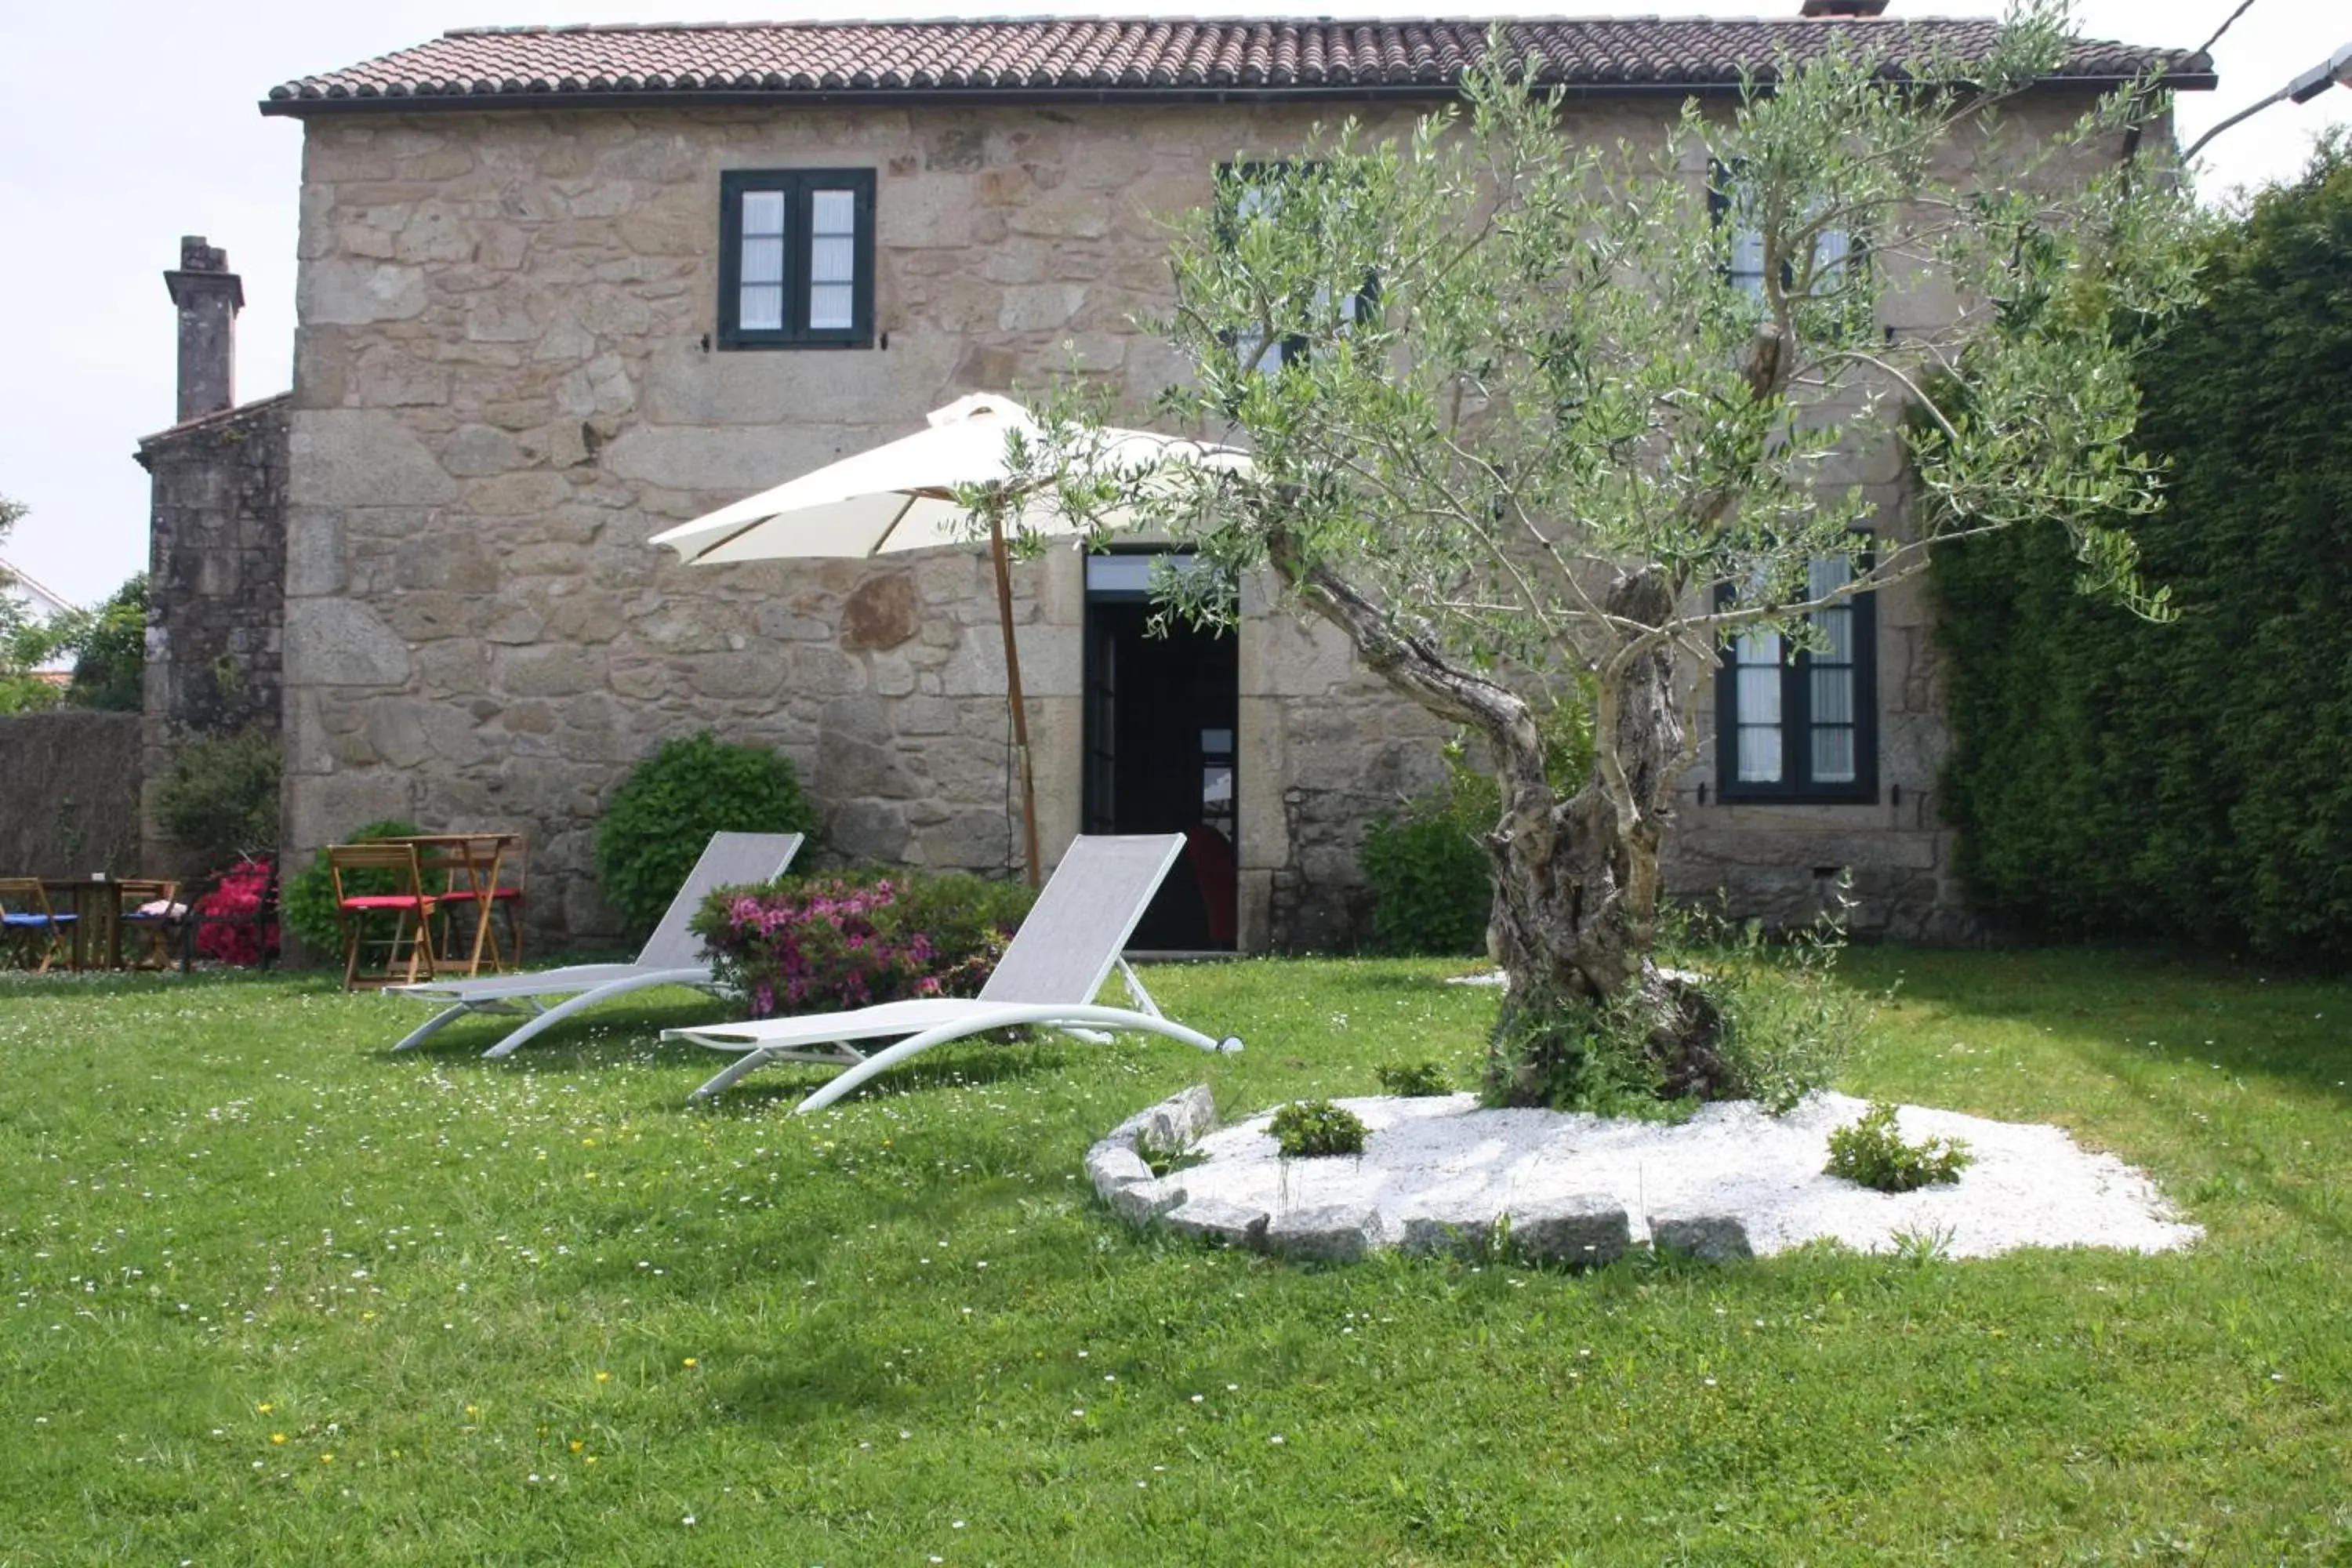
[217, 557]
[506, 380]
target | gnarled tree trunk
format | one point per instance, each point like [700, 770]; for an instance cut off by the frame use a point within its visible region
[1576, 884]
[1576, 880]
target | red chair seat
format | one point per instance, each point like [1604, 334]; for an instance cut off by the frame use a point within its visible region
[386, 901]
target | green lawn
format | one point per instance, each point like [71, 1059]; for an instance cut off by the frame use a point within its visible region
[273, 1295]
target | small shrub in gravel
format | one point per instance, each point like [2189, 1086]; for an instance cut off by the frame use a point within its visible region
[1730, 1011]
[1872, 1154]
[1168, 1161]
[1414, 1081]
[1309, 1128]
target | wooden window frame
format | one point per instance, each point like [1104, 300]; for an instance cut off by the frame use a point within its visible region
[796, 186]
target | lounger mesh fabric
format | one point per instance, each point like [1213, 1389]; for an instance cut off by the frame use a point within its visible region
[1082, 920]
[1049, 975]
[729, 860]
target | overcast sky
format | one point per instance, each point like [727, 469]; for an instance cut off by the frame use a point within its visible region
[127, 125]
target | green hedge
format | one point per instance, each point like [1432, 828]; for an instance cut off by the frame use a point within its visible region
[665, 810]
[2189, 780]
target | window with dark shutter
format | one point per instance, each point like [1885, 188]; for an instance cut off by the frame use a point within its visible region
[1836, 254]
[796, 259]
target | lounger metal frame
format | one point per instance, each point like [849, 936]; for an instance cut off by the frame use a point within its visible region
[830, 1039]
[728, 858]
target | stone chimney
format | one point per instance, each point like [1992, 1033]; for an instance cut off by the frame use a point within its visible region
[1844, 8]
[209, 296]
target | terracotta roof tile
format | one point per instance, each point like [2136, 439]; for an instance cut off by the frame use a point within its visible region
[542, 66]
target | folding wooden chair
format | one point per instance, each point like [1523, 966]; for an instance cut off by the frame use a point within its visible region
[31, 927]
[389, 882]
[150, 912]
[505, 898]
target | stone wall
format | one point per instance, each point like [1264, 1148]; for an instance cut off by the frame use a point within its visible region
[217, 584]
[69, 793]
[506, 382]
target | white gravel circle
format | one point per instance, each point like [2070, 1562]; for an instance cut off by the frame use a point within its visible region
[2029, 1186]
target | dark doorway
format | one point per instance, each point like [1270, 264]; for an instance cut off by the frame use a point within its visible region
[1161, 711]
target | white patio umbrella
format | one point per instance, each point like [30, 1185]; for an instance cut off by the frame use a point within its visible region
[902, 496]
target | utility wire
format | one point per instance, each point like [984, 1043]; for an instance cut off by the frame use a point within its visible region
[2131, 137]
[2207, 47]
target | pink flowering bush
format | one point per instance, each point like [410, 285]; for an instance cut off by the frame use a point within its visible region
[822, 944]
[229, 930]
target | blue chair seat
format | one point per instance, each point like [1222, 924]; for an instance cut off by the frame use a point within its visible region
[40, 919]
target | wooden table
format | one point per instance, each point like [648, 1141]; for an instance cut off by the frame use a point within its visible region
[474, 860]
[97, 907]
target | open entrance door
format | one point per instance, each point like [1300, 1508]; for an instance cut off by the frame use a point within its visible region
[1161, 713]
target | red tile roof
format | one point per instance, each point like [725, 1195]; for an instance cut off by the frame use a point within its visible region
[1077, 58]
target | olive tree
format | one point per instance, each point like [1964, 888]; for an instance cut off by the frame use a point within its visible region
[1533, 418]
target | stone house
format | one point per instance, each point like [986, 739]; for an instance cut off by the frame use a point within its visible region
[561, 287]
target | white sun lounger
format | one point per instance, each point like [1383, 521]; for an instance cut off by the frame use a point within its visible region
[1063, 951]
[670, 956]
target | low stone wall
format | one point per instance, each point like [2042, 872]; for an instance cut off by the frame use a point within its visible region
[69, 793]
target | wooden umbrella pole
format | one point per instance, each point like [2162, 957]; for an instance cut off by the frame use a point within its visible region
[1013, 684]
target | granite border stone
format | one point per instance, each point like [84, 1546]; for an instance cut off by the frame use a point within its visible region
[1582, 1229]
[1335, 1233]
[1709, 1237]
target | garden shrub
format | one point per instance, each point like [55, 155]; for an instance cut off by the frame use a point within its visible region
[665, 812]
[1414, 1081]
[822, 944]
[1788, 1026]
[220, 798]
[1432, 881]
[1872, 1152]
[1570, 1054]
[2115, 778]
[1311, 1129]
[1164, 1162]
[306, 902]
